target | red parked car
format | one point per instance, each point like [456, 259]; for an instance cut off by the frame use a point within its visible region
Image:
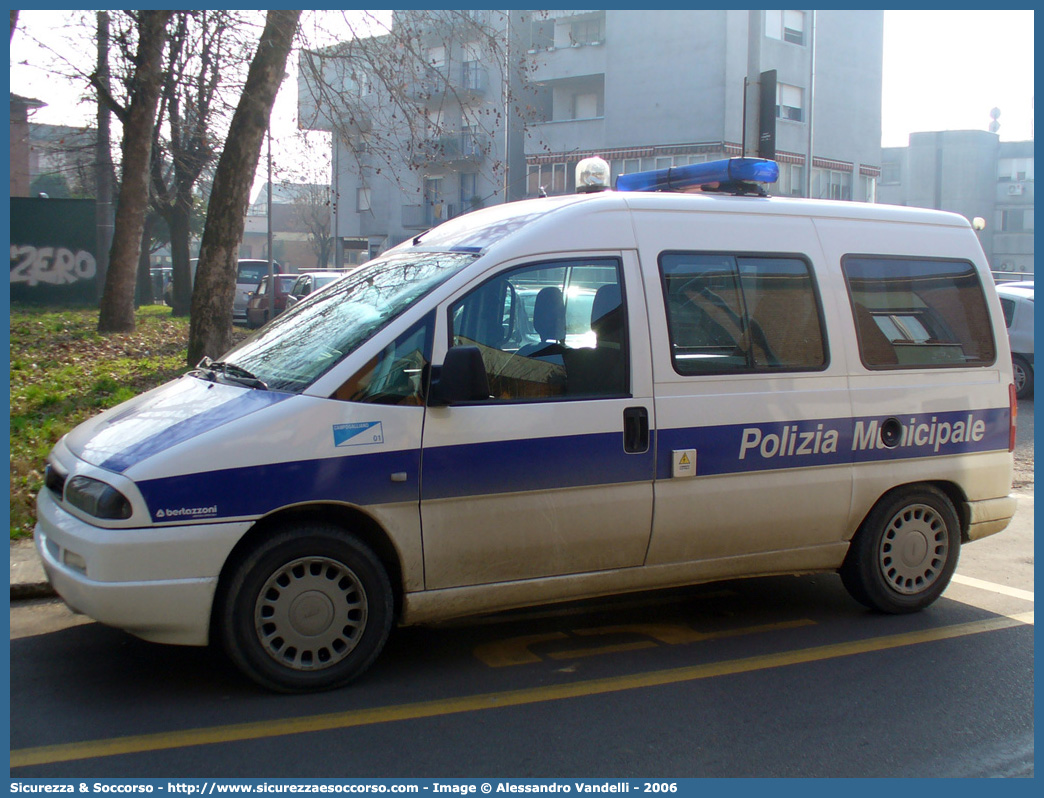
[257, 304]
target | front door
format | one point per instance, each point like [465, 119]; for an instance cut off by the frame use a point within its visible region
[553, 474]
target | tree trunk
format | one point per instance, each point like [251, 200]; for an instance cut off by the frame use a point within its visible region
[117, 305]
[143, 289]
[179, 220]
[210, 325]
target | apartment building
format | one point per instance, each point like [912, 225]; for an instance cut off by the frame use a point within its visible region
[973, 173]
[642, 89]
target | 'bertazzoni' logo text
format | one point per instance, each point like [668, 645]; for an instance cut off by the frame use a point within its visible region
[186, 512]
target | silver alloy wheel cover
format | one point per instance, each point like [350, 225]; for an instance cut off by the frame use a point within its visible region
[311, 613]
[914, 549]
[1020, 376]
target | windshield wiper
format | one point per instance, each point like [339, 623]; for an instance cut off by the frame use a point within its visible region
[230, 371]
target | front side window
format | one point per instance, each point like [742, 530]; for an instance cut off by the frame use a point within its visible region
[912, 313]
[741, 313]
[552, 330]
[394, 376]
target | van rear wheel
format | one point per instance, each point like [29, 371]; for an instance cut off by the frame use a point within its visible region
[905, 552]
[307, 609]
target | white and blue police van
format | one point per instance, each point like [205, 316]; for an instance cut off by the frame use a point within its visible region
[556, 399]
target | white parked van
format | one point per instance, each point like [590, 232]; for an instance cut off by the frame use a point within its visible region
[550, 400]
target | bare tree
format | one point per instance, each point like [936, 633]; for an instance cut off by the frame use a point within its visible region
[425, 86]
[210, 326]
[138, 118]
[202, 59]
[311, 210]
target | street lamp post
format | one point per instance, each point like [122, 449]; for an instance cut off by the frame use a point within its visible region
[271, 270]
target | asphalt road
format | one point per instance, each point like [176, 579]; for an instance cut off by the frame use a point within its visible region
[765, 677]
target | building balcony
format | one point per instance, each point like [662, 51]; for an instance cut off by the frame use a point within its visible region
[448, 150]
[467, 81]
[574, 135]
[577, 60]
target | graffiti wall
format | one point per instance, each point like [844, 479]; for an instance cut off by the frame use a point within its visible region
[53, 251]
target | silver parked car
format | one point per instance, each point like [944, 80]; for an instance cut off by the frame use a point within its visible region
[309, 282]
[1017, 302]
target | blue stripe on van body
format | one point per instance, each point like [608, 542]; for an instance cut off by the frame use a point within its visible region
[494, 468]
[249, 402]
[569, 461]
[255, 490]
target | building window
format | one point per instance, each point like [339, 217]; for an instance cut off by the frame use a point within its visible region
[869, 188]
[362, 199]
[831, 184]
[1016, 220]
[549, 177]
[469, 198]
[1014, 169]
[787, 26]
[791, 182]
[586, 106]
[790, 102]
[437, 57]
[435, 211]
[587, 31]
[469, 141]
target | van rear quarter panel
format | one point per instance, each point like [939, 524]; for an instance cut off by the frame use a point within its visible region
[733, 508]
[922, 394]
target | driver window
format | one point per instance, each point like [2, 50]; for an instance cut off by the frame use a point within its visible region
[395, 376]
[549, 331]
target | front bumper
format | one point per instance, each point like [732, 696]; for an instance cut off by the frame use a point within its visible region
[157, 583]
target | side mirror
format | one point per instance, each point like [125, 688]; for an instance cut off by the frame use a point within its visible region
[461, 378]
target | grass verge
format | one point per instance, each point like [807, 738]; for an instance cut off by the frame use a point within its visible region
[63, 371]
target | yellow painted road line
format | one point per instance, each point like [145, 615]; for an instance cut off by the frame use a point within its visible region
[94, 749]
[993, 587]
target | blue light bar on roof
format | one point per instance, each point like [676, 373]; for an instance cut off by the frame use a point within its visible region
[676, 178]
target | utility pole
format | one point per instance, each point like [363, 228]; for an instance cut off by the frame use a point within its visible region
[103, 162]
[271, 270]
[811, 102]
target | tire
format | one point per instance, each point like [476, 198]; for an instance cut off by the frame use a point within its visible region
[308, 609]
[1023, 377]
[905, 552]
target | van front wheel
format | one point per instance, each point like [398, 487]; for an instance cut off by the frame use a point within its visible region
[308, 609]
[904, 554]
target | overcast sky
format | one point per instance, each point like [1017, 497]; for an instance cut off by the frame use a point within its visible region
[943, 70]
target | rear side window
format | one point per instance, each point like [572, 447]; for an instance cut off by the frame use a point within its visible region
[915, 313]
[741, 313]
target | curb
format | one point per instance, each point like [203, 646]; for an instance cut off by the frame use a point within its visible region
[28, 580]
[35, 590]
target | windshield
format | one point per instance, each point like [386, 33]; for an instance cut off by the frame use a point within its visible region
[307, 341]
[252, 271]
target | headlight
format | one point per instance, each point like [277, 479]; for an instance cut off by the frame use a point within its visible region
[96, 498]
